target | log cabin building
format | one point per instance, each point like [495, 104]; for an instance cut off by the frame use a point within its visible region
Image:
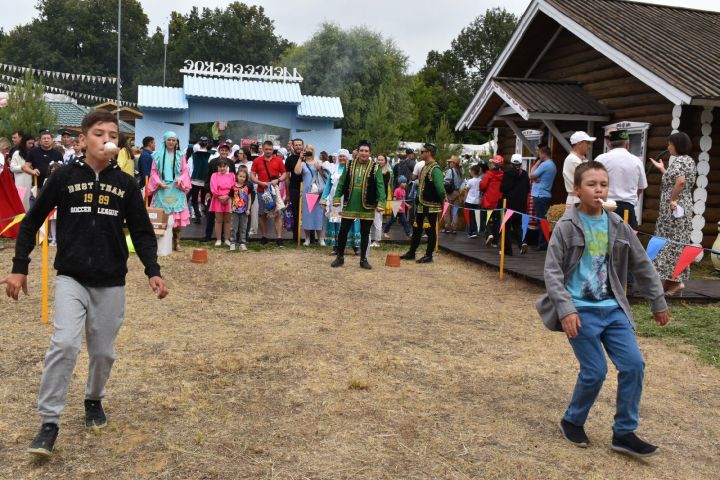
[595, 64]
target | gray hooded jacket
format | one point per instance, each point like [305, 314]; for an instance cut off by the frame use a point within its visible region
[626, 253]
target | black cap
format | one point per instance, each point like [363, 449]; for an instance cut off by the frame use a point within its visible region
[408, 151]
[431, 147]
[64, 131]
[618, 135]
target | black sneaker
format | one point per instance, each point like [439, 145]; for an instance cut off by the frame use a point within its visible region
[574, 434]
[338, 262]
[263, 241]
[365, 264]
[94, 414]
[407, 256]
[279, 243]
[42, 444]
[425, 259]
[632, 445]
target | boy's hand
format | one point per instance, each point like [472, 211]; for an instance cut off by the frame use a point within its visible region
[662, 318]
[13, 283]
[570, 325]
[158, 287]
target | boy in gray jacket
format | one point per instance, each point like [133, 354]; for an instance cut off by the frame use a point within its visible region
[586, 270]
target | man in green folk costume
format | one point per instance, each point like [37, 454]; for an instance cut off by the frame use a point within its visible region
[362, 192]
[431, 197]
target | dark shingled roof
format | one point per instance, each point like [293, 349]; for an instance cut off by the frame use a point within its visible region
[547, 96]
[680, 45]
[71, 115]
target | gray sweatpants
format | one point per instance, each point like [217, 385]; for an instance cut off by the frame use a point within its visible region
[238, 227]
[100, 311]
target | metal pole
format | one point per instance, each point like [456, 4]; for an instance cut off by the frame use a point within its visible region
[118, 56]
[164, 64]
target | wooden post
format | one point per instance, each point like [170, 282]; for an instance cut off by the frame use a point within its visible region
[147, 194]
[502, 240]
[437, 232]
[44, 305]
[299, 219]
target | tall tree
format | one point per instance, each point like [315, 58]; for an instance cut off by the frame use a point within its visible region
[26, 109]
[367, 72]
[450, 79]
[80, 36]
[238, 34]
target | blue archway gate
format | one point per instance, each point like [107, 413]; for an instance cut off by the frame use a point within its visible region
[206, 99]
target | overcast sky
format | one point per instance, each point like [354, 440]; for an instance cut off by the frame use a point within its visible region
[417, 26]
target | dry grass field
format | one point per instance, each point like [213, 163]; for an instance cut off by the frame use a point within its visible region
[273, 365]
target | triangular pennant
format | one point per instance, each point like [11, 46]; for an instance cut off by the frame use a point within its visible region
[477, 218]
[395, 206]
[508, 214]
[654, 246]
[525, 223]
[488, 214]
[688, 255]
[545, 226]
[311, 199]
[454, 210]
[466, 214]
[15, 221]
[445, 209]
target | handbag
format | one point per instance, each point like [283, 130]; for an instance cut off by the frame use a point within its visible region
[268, 196]
[450, 182]
[288, 220]
[314, 187]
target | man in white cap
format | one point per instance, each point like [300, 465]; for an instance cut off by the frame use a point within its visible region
[581, 143]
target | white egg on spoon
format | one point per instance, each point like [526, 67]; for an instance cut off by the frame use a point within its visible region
[609, 205]
[111, 149]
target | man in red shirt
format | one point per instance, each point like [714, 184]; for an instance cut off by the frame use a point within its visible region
[268, 170]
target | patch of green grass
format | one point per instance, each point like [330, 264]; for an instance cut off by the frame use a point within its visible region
[696, 325]
[704, 270]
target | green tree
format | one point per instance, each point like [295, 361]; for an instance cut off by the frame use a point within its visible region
[237, 34]
[445, 140]
[367, 72]
[80, 36]
[449, 80]
[26, 109]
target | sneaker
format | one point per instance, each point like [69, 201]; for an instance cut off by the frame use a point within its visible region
[338, 262]
[574, 434]
[386, 236]
[473, 235]
[218, 243]
[94, 414]
[228, 243]
[375, 244]
[279, 243]
[523, 248]
[243, 248]
[633, 445]
[425, 259]
[53, 243]
[489, 240]
[306, 242]
[232, 247]
[322, 242]
[42, 444]
[263, 241]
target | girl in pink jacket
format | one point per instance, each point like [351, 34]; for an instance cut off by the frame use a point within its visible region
[221, 183]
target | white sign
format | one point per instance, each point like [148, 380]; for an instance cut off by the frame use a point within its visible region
[230, 70]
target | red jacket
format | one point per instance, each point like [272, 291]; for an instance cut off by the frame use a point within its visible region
[490, 186]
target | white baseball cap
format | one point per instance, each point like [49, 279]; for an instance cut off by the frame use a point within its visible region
[581, 137]
[516, 159]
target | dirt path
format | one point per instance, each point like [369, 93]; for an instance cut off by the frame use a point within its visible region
[266, 365]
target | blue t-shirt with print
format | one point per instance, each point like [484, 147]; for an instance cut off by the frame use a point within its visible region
[589, 285]
[542, 186]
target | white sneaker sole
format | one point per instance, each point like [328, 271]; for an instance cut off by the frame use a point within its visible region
[40, 452]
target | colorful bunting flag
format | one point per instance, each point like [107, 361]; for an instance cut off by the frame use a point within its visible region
[525, 223]
[395, 206]
[446, 206]
[508, 214]
[311, 199]
[654, 246]
[545, 226]
[466, 214]
[15, 221]
[688, 255]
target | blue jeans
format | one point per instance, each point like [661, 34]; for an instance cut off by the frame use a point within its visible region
[542, 204]
[610, 328]
[403, 221]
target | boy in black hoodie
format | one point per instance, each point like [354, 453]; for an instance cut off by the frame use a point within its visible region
[93, 197]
